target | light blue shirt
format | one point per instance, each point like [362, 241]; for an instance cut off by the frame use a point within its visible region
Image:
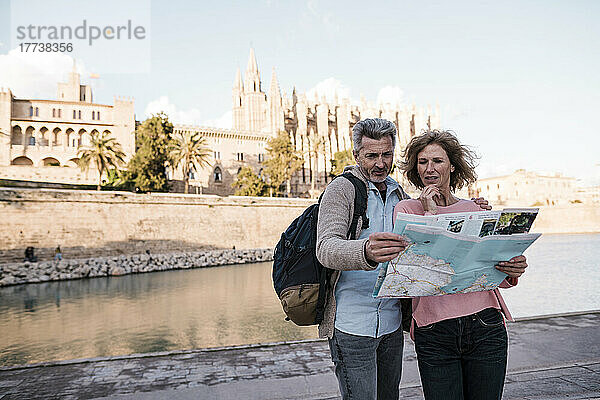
[357, 312]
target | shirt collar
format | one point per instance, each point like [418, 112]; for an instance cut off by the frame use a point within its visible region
[390, 183]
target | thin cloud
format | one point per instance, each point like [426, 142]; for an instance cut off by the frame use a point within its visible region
[190, 116]
[390, 95]
[224, 121]
[35, 75]
[328, 88]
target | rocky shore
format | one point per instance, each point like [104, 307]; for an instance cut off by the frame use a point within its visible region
[27, 272]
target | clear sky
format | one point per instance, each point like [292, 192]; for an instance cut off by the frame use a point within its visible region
[517, 80]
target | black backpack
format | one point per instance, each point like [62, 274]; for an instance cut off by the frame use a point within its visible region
[300, 280]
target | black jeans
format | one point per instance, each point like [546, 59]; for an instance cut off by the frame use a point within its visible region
[463, 358]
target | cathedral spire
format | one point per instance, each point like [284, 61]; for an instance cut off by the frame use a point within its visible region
[252, 76]
[274, 89]
[252, 65]
[238, 81]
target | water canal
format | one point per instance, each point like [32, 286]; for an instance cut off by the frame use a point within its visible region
[230, 305]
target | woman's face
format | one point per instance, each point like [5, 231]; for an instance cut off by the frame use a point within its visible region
[434, 166]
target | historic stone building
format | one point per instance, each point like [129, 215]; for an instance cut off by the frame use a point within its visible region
[526, 189]
[318, 128]
[231, 150]
[40, 139]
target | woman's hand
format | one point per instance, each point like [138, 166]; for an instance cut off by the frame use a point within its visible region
[428, 197]
[514, 268]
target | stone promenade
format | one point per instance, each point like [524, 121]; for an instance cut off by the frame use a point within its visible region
[550, 358]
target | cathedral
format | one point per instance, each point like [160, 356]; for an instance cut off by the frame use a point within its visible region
[318, 128]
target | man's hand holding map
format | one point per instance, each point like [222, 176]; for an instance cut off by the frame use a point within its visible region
[454, 253]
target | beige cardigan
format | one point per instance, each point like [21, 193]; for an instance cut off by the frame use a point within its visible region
[334, 250]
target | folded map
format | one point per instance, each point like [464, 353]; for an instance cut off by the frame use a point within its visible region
[454, 253]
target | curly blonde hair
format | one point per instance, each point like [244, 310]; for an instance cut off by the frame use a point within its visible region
[461, 157]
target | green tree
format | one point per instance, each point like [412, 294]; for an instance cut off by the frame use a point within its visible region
[103, 151]
[282, 161]
[189, 150]
[248, 183]
[148, 167]
[118, 179]
[341, 159]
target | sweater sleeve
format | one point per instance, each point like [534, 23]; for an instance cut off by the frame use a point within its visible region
[334, 250]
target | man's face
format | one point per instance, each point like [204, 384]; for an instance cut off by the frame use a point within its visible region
[375, 158]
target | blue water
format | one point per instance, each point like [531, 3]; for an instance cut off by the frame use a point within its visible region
[231, 305]
[563, 276]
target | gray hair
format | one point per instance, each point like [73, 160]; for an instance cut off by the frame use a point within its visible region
[373, 128]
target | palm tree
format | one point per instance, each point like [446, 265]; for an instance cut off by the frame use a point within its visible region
[104, 151]
[189, 149]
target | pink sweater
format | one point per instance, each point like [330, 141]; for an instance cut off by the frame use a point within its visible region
[430, 309]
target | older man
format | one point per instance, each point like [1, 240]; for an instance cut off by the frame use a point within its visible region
[365, 336]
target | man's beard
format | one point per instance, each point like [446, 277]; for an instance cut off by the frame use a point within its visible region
[376, 179]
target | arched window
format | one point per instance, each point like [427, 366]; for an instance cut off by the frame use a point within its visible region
[50, 162]
[43, 136]
[83, 138]
[22, 161]
[218, 175]
[70, 138]
[29, 138]
[17, 135]
[56, 137]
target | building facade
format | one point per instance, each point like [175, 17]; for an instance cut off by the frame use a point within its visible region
[40, 137]
[318, 129]
[528, 189]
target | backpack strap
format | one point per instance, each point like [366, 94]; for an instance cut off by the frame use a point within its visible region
[360, 204]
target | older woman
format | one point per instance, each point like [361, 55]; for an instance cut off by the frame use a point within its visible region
[460, 339]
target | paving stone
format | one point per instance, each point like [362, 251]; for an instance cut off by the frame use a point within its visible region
[546, 374]
[268, 371]
[541, 387]
[590, 382]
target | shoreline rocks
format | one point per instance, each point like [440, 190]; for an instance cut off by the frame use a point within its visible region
[44, 271]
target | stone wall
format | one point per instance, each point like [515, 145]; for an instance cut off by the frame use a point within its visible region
[573, 218]
[89, 224]
[17, 273]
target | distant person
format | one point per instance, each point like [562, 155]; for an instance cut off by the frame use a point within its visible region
[365, 336]
[29, 254]
[57, 254]
[460, 339]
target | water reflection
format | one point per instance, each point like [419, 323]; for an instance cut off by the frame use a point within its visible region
[231, 305]
[142, 313]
